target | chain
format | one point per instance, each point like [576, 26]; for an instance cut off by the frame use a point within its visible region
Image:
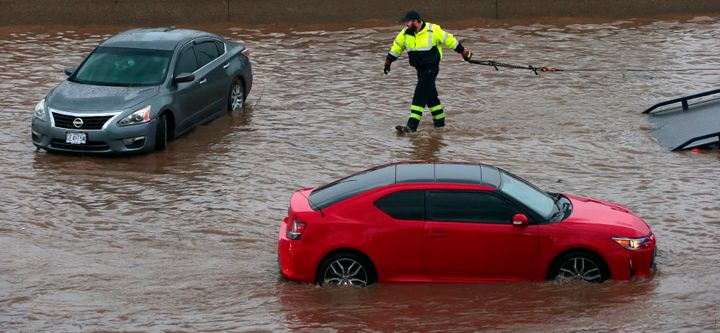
[497, 65]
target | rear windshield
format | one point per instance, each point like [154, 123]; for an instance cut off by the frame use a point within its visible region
[117, 66]
[342, 189]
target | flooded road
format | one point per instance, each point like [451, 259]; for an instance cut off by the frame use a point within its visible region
[185, 239]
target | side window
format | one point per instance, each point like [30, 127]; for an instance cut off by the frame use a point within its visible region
[187, 63]
[468, 206]
[220, 46]
[403, 205]
[206, 52]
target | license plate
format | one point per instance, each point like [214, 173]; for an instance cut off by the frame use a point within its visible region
[76, 138]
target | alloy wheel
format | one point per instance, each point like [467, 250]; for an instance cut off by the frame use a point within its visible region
[579, 268]
[237, 97]
[345, 272]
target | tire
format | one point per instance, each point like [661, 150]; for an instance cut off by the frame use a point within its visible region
[236, 96]
[161, 136]
[582, 266]
[346, 269]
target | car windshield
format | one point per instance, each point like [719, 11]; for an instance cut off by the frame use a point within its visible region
[532, 197]
[117, 66]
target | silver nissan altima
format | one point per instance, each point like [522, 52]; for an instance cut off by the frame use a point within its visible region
[141, 88]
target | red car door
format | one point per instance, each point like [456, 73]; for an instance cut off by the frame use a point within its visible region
[398, 242]
[469, 235]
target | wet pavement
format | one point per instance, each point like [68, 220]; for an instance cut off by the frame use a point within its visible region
[185, 239]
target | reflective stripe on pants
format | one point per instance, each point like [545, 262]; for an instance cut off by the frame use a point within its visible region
[426, 93]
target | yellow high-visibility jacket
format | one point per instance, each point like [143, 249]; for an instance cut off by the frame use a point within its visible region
[424, 46]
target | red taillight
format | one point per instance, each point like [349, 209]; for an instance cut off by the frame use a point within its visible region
[296, 231]
[246, 52]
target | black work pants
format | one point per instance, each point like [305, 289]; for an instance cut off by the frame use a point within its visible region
[426, 95]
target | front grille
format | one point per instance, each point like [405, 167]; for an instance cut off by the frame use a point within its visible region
[89, 122]
[89, 146]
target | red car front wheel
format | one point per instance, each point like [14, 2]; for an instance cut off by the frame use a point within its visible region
[580, 266]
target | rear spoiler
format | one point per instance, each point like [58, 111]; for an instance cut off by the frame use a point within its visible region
[692, 125]
[683, 100]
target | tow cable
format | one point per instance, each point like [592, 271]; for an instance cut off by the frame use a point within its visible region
[546, 69]
[497, 64]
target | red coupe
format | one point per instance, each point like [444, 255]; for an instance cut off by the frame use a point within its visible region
[456, 222]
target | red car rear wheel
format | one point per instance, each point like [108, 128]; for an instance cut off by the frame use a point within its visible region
[346, 269]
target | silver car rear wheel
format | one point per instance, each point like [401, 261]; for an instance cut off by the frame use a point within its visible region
[237, 96]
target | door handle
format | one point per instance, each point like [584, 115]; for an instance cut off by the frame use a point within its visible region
[438, 234]
[226, 66]
[203, 81]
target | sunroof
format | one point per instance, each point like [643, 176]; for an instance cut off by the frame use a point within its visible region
[415, 172]
[458, 173]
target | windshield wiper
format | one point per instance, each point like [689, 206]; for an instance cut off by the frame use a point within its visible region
[560, 210]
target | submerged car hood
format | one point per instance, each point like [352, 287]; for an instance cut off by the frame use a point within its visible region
[593, 211]
[72, 97]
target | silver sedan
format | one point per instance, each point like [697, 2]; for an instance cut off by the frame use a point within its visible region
[141, 88]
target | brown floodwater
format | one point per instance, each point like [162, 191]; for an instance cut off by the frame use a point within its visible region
[185, 239]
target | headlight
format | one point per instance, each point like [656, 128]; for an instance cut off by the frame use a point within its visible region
[631, 243]
[40, 110]
[138, 117]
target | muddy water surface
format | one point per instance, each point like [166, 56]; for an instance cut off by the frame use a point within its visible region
[185, 239]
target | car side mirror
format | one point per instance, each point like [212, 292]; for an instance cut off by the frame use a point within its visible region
[184, 77]
[69, 70]
[520, 220]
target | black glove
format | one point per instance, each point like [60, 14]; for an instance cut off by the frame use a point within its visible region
[387, 66]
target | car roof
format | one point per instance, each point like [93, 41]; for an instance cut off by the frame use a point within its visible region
[154, 38]
[404, 173]
[443, 172]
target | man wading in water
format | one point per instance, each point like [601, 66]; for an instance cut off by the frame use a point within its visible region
[424, 42]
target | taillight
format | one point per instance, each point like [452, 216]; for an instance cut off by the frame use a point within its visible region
[296, 231]
[246, 52]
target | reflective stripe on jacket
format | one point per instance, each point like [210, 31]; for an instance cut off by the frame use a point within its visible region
[425, 46]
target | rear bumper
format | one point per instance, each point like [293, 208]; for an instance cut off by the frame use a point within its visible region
[106, 141]
[295, 258]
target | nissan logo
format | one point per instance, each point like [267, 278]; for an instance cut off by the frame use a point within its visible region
[77, 122]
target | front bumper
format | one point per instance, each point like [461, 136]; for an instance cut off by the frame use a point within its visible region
[626, 265]
[105, 141]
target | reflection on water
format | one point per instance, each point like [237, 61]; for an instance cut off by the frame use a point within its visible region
[470, 307]
[426, 144]
[185, 239]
